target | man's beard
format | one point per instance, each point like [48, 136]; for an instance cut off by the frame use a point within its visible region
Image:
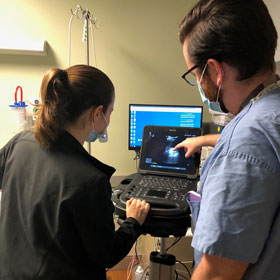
[211, 92]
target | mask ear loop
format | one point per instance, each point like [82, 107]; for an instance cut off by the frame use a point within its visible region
[220, 87]
[105, 118]
[92, 125]
[203, 72]
[218, 93]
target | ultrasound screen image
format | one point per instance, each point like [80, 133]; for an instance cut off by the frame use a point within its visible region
[170, 156]
[159, 152]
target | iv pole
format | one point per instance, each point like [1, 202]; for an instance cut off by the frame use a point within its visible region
[86, 17]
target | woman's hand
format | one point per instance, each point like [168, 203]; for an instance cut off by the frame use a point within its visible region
[137, 209]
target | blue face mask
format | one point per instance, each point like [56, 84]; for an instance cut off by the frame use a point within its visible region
[93, 136]
[213, 105]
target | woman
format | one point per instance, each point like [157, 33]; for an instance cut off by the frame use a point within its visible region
[57, 215]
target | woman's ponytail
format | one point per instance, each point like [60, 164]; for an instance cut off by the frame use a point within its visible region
[52, 114]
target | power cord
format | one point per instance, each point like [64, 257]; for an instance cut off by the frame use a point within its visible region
[189, 273]
[174, 242]
[181, 275]
[137, 258]
[134, 261]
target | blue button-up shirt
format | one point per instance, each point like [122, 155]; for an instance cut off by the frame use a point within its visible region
[239, 215]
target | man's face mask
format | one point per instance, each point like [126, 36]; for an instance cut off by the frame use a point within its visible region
[93, 136]
[213, 105]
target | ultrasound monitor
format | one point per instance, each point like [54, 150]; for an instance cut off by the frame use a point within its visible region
[141, 115]
[158, 156]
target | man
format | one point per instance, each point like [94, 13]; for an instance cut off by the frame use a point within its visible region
[229, 48]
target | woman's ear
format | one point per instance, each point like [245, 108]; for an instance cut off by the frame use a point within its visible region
[97, 111]
[217, 73]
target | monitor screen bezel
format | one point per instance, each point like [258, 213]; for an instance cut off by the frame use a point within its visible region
[138, 148]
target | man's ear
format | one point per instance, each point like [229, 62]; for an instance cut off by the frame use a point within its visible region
[216, 71]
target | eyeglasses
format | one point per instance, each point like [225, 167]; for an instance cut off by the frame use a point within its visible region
[189, 77]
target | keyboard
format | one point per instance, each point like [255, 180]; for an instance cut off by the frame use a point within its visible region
[175, 184]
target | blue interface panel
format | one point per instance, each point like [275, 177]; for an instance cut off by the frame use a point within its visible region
[141, 115]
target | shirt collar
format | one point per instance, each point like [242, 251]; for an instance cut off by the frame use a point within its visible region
[258, 89]
[66, 139]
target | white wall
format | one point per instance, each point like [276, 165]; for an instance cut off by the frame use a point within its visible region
[137, 46]
[274, 8]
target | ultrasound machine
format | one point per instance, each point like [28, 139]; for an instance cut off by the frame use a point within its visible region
[164, 176]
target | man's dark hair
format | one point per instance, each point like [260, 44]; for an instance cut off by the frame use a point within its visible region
[238, 32]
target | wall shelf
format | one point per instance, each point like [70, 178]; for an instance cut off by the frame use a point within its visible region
[24, 48]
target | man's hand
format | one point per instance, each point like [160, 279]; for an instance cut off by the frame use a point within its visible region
[194, 144]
